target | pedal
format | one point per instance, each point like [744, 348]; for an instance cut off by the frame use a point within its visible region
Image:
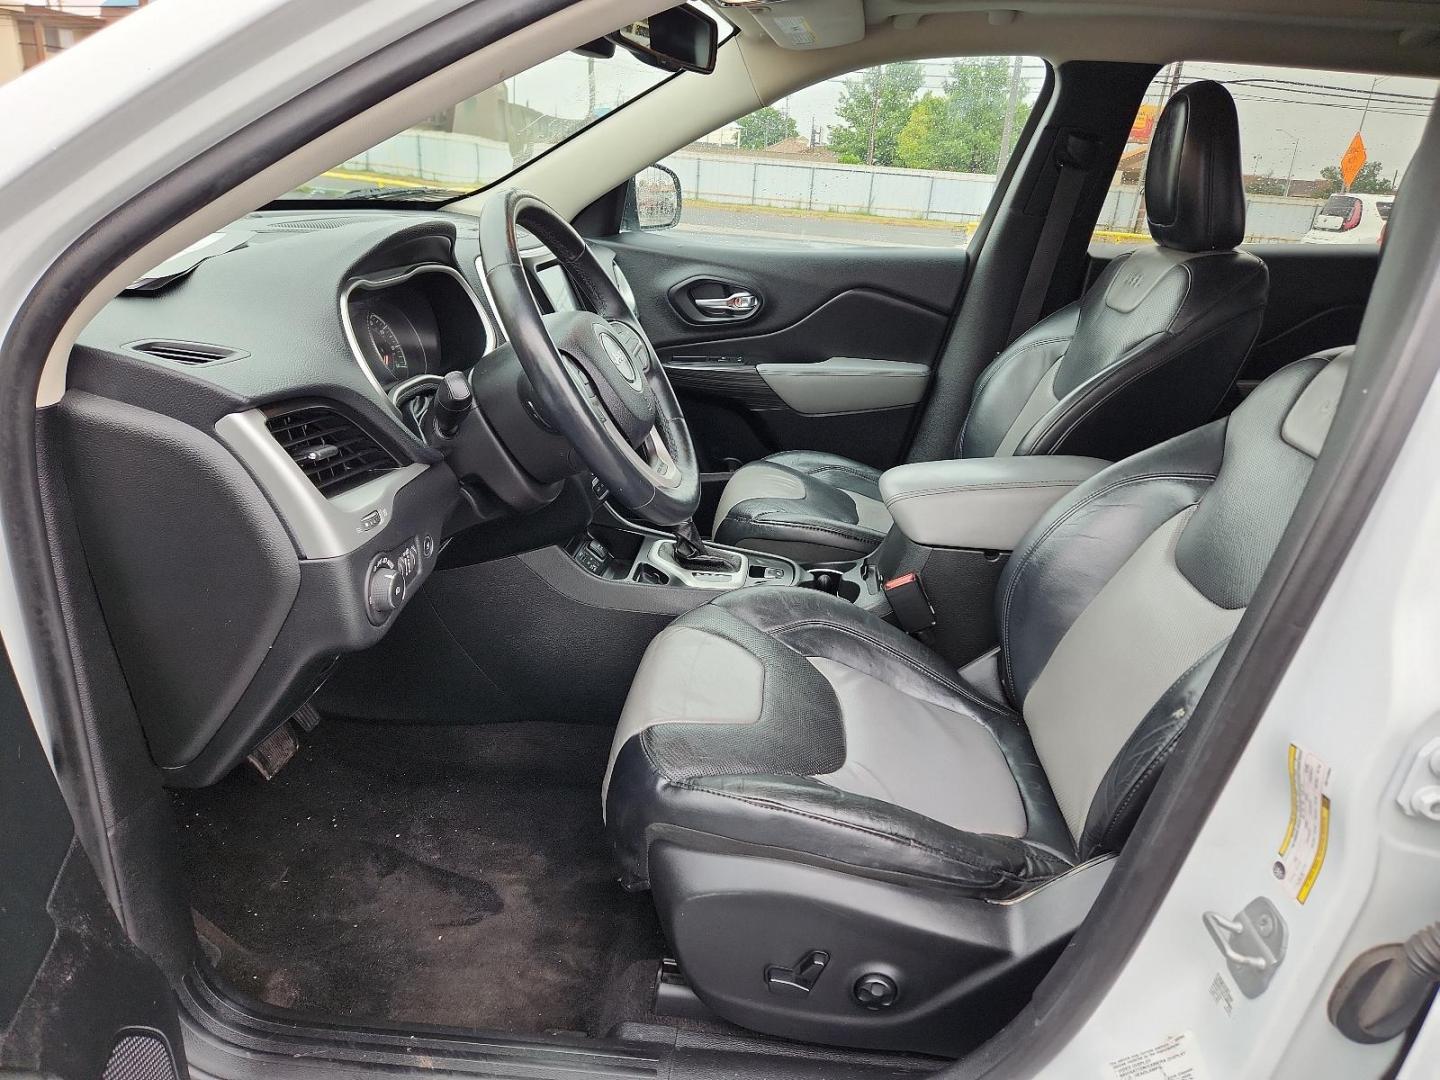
[308, 717]
[274, 751]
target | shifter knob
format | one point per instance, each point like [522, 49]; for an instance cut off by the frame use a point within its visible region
[453, 399]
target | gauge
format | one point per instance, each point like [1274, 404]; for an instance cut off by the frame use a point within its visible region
[387, 346]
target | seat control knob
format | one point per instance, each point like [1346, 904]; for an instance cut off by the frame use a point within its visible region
[387, 590]
[875, 991]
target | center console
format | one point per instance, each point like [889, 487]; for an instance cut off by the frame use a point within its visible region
[935, 574]
[644, 557]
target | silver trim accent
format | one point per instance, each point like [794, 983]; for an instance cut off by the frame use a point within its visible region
[659, 553]
[499, 332]
[492, 333]
[323, 528]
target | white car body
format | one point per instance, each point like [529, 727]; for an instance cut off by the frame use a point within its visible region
[1363, 691]
[1350, 219]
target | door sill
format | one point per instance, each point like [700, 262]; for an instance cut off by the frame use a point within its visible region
[229, 1036]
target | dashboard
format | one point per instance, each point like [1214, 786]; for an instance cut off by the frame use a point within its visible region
[251, 479]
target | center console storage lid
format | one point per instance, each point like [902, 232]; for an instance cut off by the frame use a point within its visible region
[979, 503]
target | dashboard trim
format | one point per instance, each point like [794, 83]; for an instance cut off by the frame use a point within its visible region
[490, 296]
[323, 528]
[492, 335]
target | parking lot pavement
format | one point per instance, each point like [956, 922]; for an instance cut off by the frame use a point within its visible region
[819, 228]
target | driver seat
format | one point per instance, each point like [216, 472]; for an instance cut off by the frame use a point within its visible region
[849, 841]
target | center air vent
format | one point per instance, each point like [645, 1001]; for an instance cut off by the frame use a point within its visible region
[330, 448]
[186, 352]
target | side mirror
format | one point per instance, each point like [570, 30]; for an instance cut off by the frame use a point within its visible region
[653, 201]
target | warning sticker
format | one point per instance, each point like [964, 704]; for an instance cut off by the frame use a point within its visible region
[1307, 836]
[795, 28]
[1175, 1058]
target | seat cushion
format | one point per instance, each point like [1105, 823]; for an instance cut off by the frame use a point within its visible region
[808, 506]
[789, 721]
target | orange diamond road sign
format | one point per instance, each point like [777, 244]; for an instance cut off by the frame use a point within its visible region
[1353, 160]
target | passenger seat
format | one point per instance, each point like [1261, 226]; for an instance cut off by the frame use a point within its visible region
[1147, 353]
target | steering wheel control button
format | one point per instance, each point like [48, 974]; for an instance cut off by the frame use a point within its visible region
[799, 979]
[875, 991]
[620, 357]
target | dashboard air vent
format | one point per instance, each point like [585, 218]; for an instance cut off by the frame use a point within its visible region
[310, 224]
[186, 352]
[330, 448]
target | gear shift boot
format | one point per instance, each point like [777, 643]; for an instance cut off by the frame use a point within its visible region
[691, 552]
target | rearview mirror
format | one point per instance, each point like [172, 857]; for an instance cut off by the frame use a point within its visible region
[654, 199]
[680, 39]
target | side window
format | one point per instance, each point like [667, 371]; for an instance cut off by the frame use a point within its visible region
[1323, 152]
[901, 154]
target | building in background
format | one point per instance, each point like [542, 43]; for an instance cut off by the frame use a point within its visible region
[32, 33]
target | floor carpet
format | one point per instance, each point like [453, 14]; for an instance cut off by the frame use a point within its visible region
[457, 876]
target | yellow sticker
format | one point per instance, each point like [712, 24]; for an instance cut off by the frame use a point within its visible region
[1307, 835]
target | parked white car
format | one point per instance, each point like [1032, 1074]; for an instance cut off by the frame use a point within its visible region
[1351, 219]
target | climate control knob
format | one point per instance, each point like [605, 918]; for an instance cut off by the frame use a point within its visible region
[387, 590]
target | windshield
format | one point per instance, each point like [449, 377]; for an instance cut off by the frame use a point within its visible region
[487, 137]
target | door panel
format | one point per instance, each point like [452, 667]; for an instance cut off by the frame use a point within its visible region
[77, 1000]
[885, 311]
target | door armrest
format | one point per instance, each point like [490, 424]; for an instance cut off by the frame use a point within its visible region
[984, 504]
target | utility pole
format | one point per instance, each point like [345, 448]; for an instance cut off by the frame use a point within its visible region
[590, 74]
[874, 115]
[1290, 173]
[1007, 132]
[1174, 81]
[1368, 99]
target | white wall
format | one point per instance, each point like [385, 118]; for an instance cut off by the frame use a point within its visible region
[758, 180]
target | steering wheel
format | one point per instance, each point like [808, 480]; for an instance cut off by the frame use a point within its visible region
[595, 376]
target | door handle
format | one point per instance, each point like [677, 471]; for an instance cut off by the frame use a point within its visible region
[738, 305]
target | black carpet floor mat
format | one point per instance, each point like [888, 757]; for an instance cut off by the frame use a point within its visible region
[457, 876]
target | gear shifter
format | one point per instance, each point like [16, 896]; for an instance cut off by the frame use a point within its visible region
[692, 554]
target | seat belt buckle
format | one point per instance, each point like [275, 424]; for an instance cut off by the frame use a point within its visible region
[908, 601]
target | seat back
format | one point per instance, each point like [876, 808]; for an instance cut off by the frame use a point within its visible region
[1115, 609]
[1155, 344]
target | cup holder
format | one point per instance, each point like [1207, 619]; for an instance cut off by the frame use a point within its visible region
[832, 582]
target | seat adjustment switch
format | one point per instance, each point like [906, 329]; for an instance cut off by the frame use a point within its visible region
[799, 980]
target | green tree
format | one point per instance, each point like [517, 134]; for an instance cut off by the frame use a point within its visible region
[874, 106]
[1370, 180]
[765, 127]
[961, 129]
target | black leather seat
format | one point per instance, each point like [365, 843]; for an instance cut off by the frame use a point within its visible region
[1148, 352]
[793, 775]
